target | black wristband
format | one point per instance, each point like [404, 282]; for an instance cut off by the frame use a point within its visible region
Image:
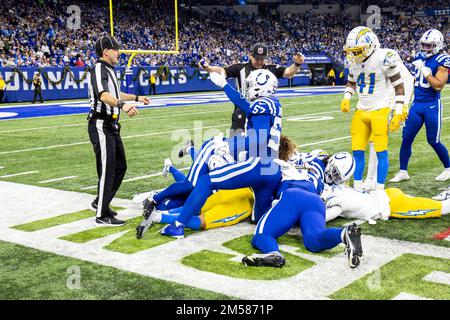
[120, 104]
[298, 64]
[137, 98]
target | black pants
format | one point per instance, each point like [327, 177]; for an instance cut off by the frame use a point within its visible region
[2, 94]
[152, 88]
[110, 159]
[36, 93]
[237, 122]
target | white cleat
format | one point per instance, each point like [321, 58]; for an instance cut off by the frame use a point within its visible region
[167, 164]
[444, 176]
[402, 175]
[444, 195]
[369, 184]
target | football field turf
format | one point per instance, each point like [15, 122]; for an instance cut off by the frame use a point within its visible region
[55, 152]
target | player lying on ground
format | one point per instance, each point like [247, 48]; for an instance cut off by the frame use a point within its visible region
[344, 201]
[203, 161]
[223, 208]
[299, 204]
[260, 146]
[370, 69]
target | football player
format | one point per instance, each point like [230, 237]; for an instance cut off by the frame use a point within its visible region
[431, 72]
[344, 201]
[370, 182]
[299, 203]
[259, 146]
[370, 70]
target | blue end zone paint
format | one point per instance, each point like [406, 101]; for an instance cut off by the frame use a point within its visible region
[82, 107]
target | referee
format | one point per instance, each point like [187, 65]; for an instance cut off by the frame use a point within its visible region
[107, 102]
[240, 71]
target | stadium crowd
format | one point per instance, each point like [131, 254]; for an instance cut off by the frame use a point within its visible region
[38, 32]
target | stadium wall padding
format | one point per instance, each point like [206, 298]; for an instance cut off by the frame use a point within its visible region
[18, 90]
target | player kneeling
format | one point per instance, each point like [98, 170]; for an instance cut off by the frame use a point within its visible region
[299, 203]
[344, 201]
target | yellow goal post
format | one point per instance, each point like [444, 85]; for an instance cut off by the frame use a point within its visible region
[135, 52]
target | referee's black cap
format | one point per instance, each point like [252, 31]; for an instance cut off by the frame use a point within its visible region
[106, 42]
[260, 51]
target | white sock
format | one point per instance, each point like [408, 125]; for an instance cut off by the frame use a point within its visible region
[373, 162]
[358, 185]
[342, 235]
[380, 186]
[158, 215]
[445, 207]
[404, 171]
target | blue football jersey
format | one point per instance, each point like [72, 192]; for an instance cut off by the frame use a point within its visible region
[312, 181]
[423, 92]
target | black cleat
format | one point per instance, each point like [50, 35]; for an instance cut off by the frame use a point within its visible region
[353, 246]
[109, 221]
[149, 206]
[274, 260]
[94, 206]
[184, 151]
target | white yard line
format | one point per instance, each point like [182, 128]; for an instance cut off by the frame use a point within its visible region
[125, 137]
[324, 141]
[58, 179]
[136, 178]
[18, 174]
[160, 117]
[438, 277]
[2, 167]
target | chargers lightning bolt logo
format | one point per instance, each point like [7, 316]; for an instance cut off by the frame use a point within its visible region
[228, 219]
[413, 213]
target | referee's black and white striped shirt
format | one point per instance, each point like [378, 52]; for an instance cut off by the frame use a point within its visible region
[103, 79]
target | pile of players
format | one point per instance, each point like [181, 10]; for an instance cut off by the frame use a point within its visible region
[261, 173]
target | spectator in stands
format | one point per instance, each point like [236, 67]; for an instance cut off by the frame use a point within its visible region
[37, 83]
[2, 88]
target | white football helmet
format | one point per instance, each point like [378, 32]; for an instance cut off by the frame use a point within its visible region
[260, 83]
[319, 153]
[431, 43]
[340, 168]
[361, 43]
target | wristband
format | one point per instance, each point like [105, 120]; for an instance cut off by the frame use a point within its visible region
[399, 102]
[137, 98]
[120, 104]
[349, 92]
[297, 64]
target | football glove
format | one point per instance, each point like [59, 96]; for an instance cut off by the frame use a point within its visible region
[405, 113]
[395, 122]
[345, 105]
[420, 64]
[218, 79]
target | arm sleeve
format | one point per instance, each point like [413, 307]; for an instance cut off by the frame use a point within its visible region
[333, 213]
[236, 98]
[232, 71]
[276, 70]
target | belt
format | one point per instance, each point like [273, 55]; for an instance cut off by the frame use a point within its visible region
[95, 115]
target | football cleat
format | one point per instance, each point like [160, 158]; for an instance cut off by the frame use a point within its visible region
[146, 224]
[444, 195]
[444, 176]
[167, 164]
[369, 184]
[353, 247]
[185, 149]
[149, 205]
[109, 221]
[402, 175]
[173, 231]
[271, 259]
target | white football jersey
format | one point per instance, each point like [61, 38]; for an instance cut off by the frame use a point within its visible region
[355, 204]
[372, 78]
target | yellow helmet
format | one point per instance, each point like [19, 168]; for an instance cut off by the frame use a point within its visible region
[361, 43]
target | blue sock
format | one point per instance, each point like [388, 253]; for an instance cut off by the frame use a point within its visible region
[194, 223]
[442, 153]
[359, 164]
[177, 174]
[168, 218]
[193, 153]
[405, 153]
[383, 166]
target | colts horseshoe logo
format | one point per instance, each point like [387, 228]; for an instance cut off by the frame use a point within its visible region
[263, 82]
